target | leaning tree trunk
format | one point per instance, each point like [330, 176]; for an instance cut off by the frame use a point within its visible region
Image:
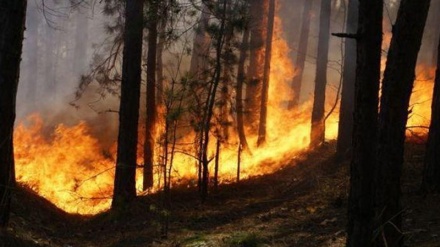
[317, 135]
[150, 123]
[239, 92]
[345, 130]
[258, 21]
[12, 16]
[125, 184]
[396, 92]
[301, 53]
[360, 202]
[266, 75]
[431, 174]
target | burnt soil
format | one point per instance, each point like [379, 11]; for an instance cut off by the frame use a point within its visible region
[302, 204]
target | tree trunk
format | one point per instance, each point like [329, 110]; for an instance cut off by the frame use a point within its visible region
[431, 175]
[160, 77]
[360, 203]
[239, 92]
[396, 92]
[150, 123]
[301, 53]
[266, 76]
[12, 16]
[317, 135]
[258, 15]
[345, 130]
[125, 184]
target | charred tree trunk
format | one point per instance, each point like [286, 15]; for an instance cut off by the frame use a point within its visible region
[317, 135]
[125, 184]
[431, 174]
[12, 16]
[160, 77]
[360, 202]
[150, 123]
[240, 80]
[345, 130]
[396, 92]
[210, 102]
[301, 53]
[258, 22]
[266, 76]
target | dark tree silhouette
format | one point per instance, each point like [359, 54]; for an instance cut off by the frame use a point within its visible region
[12, 16]
[125, 185]
[396, 92]
[345, 130]
[266, 74]
[257, 25]
[317, 135]
[150, 124]
[360, 204]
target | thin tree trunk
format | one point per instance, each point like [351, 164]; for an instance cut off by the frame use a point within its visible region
[396, 92]
[239, 92]
[360, 202]
[266, 76]
[160, 77]
[258, 24]
[431, 174]
[209, 104]
[301, 53]
[12, 16]
[317, 135]
[125, 184]
[345, 128]
[150, 123]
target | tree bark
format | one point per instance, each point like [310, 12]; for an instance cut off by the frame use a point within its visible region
[431, 174]
[266, 75]
[301, 53]
[258, 21]
[150, 123]
[345, 128]
[12, 16]
[125, 184]
[317, 135]
[396, 92]
[360, 203]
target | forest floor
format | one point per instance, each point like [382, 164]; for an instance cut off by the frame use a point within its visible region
[303, 204]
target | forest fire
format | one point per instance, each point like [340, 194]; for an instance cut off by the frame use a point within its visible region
[70, 167]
